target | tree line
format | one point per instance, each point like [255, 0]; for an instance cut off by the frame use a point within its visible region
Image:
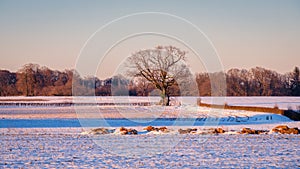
[254, 82]
[34, 80]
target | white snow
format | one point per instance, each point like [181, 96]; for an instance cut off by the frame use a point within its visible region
[188, 109]
[67, 148]
[281, 102]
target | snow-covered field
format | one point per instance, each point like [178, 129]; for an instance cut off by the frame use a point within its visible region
[132, 115]
[67, 148]
[281, 102]
[50, 135]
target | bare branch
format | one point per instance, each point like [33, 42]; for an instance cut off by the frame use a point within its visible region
[162, 66]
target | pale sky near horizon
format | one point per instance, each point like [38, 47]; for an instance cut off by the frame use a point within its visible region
[245, 34]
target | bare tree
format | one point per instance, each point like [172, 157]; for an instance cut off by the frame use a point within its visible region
[295, 82]
[162, 66]
[143, 86]
[27, 79]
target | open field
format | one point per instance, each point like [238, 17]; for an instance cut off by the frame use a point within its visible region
[62, 107]
[281, 102]
[51, 135]
[67, 148]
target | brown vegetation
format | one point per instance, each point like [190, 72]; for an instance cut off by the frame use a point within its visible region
[252, 131]
[274, 110]
[33, 80]
[125, 131]
[254, 82]
[284, 129]
[151, 128]
[187, 131]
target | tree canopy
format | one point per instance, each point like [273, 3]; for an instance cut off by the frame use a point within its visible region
[163, 67]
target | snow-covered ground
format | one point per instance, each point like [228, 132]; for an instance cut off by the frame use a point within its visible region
[67, 148]
[187, 110]
[118, 122]
[77, 99]
[97, 116]
[281, 102]
[52, 136]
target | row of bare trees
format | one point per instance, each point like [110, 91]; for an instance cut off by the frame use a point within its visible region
[254, 82]
[33, 80]
[161, 71]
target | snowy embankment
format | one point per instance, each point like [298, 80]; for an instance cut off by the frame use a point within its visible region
[284, 128]
[137, 115]
[259, 101]
[142, 130]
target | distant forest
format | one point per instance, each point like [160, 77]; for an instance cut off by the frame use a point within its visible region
[34, 80]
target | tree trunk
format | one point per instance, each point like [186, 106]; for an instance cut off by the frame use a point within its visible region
[168, 100]
[26, 84]
[165, 98]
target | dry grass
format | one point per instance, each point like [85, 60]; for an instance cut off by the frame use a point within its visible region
[274, 110]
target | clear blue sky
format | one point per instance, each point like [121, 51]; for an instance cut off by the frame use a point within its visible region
[245, 33]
